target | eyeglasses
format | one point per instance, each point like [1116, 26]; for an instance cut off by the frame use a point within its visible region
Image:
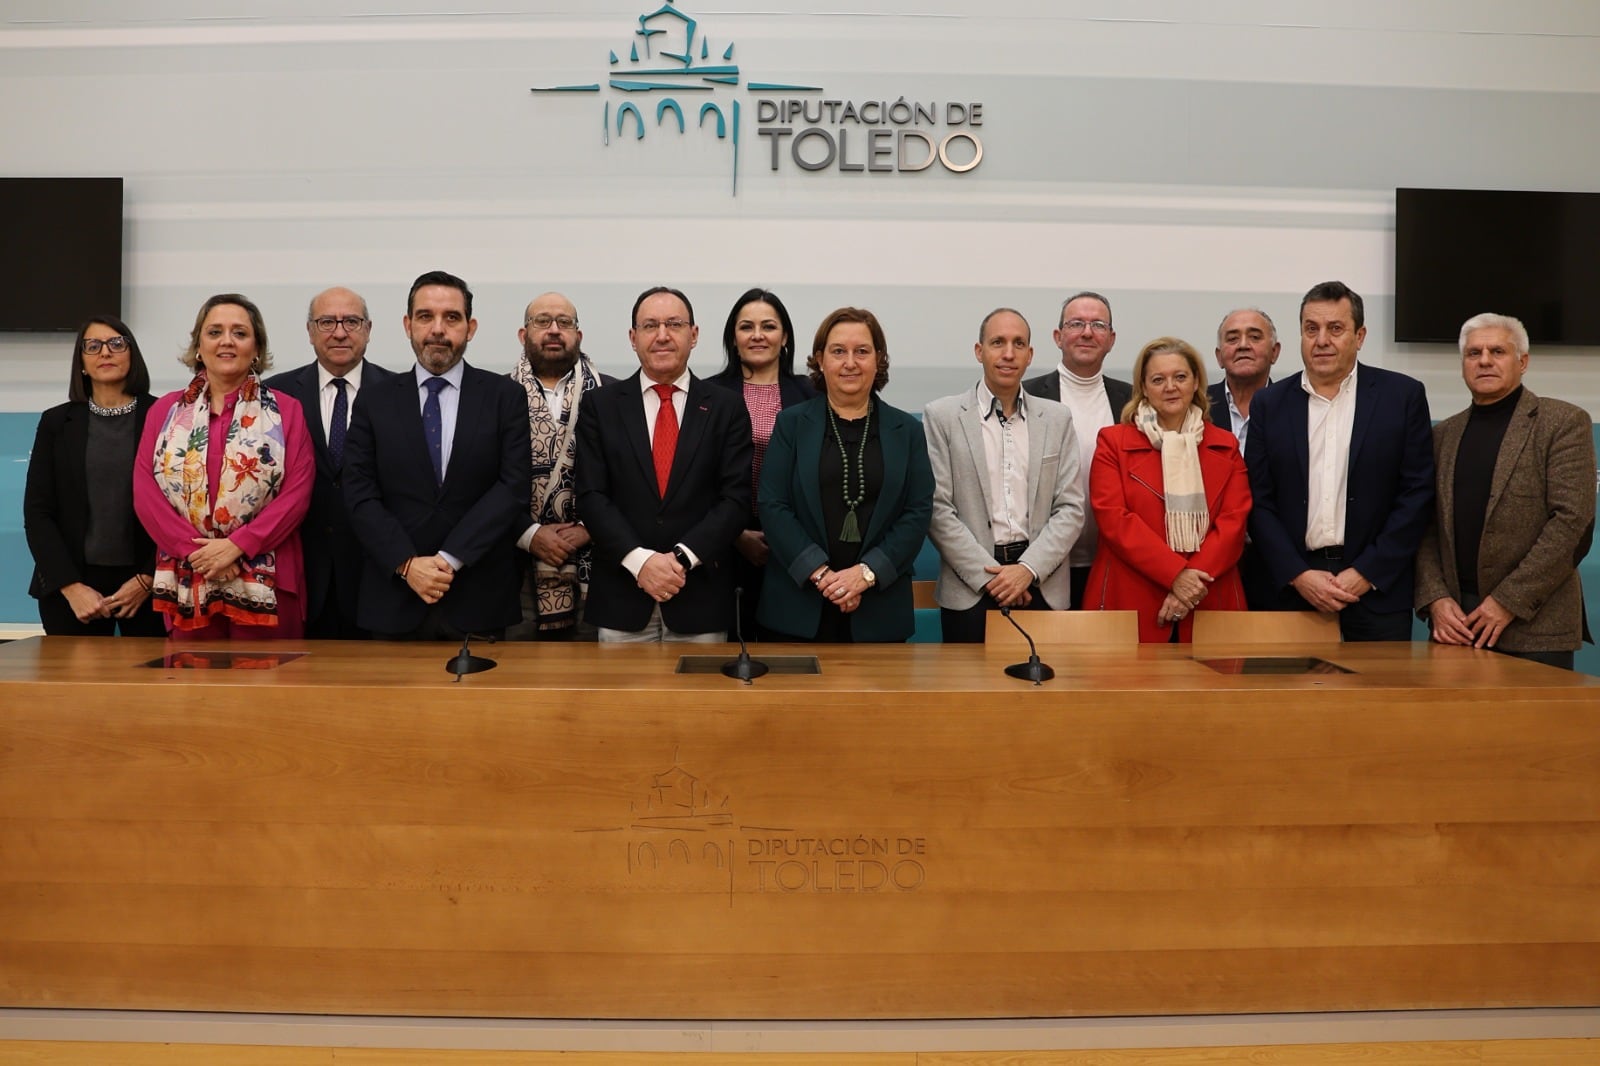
[328, 323]
[672, 325]
[561, 322]
[1079, 325]
[116, 345]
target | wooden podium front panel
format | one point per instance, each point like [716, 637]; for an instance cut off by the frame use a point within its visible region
[583, 833]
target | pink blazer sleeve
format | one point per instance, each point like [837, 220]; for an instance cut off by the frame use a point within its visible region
[170, 530]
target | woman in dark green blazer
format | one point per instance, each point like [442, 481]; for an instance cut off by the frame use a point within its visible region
[845, 498]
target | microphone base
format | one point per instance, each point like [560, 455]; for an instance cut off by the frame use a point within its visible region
[466, 663]
[744, 669]
[1032, 670]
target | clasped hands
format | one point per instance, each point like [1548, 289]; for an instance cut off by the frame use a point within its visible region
[1331, 593]
[87, 604]
[216, 559]
[554, 542]
[1480, 629]
[1188, 589]
[842, 588]
[429, 576]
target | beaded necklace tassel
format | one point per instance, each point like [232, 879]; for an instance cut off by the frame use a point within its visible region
[850, 532]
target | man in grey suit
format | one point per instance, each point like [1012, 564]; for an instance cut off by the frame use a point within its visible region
[1008, 503]
[1085, 336]
[1514, 510]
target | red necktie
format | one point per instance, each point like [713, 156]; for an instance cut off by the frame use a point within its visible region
[665, 441]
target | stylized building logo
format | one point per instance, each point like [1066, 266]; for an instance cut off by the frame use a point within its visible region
[679, 63]
[671, 63]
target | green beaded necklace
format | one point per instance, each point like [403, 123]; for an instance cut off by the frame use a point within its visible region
[850, 533]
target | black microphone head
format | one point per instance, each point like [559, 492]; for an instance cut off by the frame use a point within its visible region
[1005, 612]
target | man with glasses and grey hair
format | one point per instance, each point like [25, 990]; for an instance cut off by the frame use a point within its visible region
[1514, 510]
[1085, 337]
[339, 328]
[557, 378]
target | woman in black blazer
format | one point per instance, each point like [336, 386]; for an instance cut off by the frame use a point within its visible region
[93, 561]
[759, 341]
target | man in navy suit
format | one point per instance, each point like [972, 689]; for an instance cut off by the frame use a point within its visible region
[1247, 350]
[1085, 334]
[339, 328]
[437, 479]
[663, 476]
[1341, 471]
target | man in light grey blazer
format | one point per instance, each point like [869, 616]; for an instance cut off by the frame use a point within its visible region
[1514, 515]
[1007, 500]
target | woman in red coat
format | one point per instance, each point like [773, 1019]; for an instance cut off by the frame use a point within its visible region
[1170, 496]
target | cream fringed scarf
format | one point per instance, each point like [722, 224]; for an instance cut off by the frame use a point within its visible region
[1182, 485]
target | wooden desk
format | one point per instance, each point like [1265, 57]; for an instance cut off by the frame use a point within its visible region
[583, 833]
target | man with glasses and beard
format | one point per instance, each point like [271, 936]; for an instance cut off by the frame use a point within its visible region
[557, 378]
[436, 478]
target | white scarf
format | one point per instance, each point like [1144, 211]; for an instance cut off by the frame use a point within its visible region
[1183, 487]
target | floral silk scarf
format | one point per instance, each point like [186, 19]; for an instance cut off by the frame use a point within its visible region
[252, 474]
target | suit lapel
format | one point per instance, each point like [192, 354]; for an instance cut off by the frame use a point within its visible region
[408, 400]
[1299, 426]
[311, 404]
[1445, 482]
[1518, 433]
[634, 428]
[892, 439]
[1366, 411]
[691, 430]
[971, 423]
[808, 441]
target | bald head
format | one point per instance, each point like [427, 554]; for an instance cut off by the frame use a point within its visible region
[339, 328]
[550, 336]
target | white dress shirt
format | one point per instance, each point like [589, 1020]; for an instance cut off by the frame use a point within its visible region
[1329, 425]
[1005, 453]
[449, 404]
[326, 394]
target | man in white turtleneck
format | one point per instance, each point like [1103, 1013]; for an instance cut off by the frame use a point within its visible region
[1085, 338]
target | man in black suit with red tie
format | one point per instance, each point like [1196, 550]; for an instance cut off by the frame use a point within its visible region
[339, 328]
[663, 477]
[437, 478]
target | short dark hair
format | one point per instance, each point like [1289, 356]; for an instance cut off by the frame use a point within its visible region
[839, 317]
[439, 277]
[138, 380]
[751, 296]
[1085, 295]
[1332, 292]
[657, 290]
[263, 361]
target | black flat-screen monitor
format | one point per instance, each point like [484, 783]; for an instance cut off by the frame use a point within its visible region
[1458, 252]
[63, 261]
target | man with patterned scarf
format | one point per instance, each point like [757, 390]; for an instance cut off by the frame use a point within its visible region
[557, 376]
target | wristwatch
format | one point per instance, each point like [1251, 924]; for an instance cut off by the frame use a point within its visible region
[868, 576]
[683, 558]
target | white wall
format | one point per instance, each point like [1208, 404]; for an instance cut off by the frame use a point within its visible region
[1183, 158]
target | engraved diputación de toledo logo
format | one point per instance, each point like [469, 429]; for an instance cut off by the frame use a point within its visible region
[672, 61]
[682, 833]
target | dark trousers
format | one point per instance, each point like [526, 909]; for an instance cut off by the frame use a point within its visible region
[1080, 586]
[435, 626]
[1357, 622]
[969, 626]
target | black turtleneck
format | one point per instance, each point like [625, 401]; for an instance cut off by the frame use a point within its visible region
[1475, 460]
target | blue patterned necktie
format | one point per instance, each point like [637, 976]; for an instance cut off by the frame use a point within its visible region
[433, 427]
[341, 411]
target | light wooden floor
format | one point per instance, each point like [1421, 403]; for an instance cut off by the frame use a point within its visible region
[1433, 1053]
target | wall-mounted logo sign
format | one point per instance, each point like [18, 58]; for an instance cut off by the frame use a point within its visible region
[672, 61]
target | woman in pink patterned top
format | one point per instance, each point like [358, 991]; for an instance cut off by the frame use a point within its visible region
[222, 481]
[759, 341]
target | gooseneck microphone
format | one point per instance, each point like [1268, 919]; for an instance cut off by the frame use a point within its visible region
[1032, 670]
[743, 668]
[464, 662]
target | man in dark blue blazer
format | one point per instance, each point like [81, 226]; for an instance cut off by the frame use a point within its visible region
[663, 514]
[339, 327]
[437, 478]
[1341, 471]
